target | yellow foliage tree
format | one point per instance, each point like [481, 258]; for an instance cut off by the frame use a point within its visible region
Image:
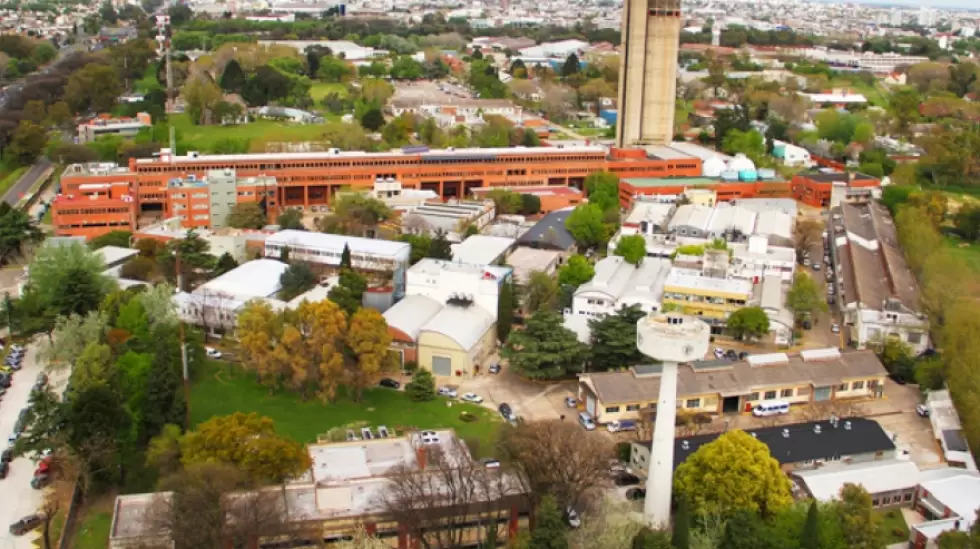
[368, 338]
[259, 329]
[735, 472]
[247, 441]
[325, 326]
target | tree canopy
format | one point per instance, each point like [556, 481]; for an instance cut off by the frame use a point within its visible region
[544, 349]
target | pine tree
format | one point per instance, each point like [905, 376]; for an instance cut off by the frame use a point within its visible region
[505, 310]
[681, 537]
[811, 529]
[440, 247]
[422, 387]
[345, 257]
[571, 65]
[549, 527]
[233, 77]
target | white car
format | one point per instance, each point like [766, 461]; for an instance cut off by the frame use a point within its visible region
[212, 352]
[834, 328]
[472, 397]
[572, 517]
[447, 392]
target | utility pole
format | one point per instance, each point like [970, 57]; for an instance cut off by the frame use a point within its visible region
[185, 369]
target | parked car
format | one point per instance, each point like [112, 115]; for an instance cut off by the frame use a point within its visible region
[5, 380]
[571, 402]
[634, 494]
[4, 468]
[621, 425]
[743, 355]
[212, 352]
[7, 455]
[571, 516]
[625, 479]
[731, 354]
[448, 392]
[506, 411]
[472, 397]
[389, 383]
[834, 328]
[26, 524]
[494, 368]
[815, 266]
[586, 421]
[922, 410]
[719, 352]
[490, 463]
[40, 481]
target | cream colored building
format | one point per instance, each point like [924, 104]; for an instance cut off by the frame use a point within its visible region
[457, 341]
[722, 386]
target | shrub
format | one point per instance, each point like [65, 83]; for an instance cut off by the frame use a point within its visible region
[467, 417]
[623, 450]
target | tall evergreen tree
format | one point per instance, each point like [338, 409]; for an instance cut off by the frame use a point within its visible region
[681, 536]
[506, 305]
[345, 257]
[549, 527]
[571, 65]
[233, 77]
[811, 529]
[440, 247]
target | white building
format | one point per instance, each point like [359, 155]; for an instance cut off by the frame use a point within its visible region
[791, 154]
[326, 249]
[948, 430]
[214, 305]
[451, 218]
[445, 281]
[618, 284]
[949, 499]
[481, 249]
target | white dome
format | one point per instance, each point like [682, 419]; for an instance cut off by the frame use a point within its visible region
[713, 167]
[740, 163]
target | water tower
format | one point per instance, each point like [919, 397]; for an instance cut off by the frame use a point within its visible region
[670, 338]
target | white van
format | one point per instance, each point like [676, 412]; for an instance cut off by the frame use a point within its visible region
[586, 420]
[770, 408]
[621, 425]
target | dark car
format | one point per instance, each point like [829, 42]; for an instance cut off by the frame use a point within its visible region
[494, 368]
[506, 411]
[4, 469]
[26, 524]
[390, 383]
[743, 355]
[5, 380]
[634, 494]
[40, 481]
[623, 478]
[731, 354]
[7, 455]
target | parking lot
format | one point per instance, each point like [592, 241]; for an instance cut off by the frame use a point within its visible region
[530, 400]
[19, 499]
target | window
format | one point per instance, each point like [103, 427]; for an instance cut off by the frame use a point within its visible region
[872, 384]
[841, 387]
[874, 503]
[857, 385]
[786, 393]
[907, 497]
[693, 403]
[770, 395]
[915, 338]
[632, 407]
[753, 396]
[612, 409]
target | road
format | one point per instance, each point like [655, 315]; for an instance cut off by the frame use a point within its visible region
[25, 182]
[18, 499]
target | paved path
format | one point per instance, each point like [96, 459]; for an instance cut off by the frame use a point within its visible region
[23, 185]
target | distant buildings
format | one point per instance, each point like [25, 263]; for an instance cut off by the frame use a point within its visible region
[123, 127]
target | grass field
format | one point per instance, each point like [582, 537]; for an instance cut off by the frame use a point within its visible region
[322, 89]
[893, 527]
[969, 253]
[204, 138]
[223, 389]
[92, 529]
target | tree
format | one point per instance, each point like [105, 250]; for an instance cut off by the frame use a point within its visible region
[440, 247]
[59, 114]
[549, 459]
[332, 69]
[291, 219]
[962, 77]
[751, 143]
[233, 77]
[111, 238]
[506, 308]
[16, 229]
[505, 201]
[571, 66]
[541, 292]
[373, 119]
[201, 95]
[246, 215]
[94, 87]
[586, 226]
[26, 144]
[805, 296]
[750, 322]
[246, 441]
[138, 268]
[345, 257]
[422, 387]
[406, 68]
[544, 349]
[903, 105]
[576, 271]
[68, 279]
[652, 539]
[602, 189]
[224, 264]
[898, 358]
[811, 529]
[632, 248]
[859, 523]
[735, 472]
[348, 293]
[549, 526]
[296, 280]
[681, 536]
[368, 339]
[613, 343]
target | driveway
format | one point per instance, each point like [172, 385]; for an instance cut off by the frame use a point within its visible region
[531, 400]
[19, 499]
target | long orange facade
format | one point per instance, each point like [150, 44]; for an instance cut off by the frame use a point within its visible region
[311, 179]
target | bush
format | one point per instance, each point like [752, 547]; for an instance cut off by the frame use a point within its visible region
[467, 417]
[899, 533]
[422, 387]
[410, 366]
[623, 450]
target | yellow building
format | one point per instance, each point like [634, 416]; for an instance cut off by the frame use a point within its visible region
[722, 386]
[457, 341]
[712, 298]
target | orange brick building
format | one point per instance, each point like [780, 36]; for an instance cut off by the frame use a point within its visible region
[93, 209]
[311, 179]
[724, 190]
[552, 198]
[817, 189]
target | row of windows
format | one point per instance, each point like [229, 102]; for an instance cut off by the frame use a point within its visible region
[88, 224]
[629, 408]
[703, 299]
[93, 211]
[892, 500]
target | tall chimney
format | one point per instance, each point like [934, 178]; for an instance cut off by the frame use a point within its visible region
[421, 455]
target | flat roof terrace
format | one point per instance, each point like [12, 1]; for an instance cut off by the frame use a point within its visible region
[652, 182]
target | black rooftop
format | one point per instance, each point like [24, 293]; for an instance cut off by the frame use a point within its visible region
[549, 233]
[804, 443]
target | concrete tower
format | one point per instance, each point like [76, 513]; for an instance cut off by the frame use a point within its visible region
[670, 338]
[648, 72]
[716, 35]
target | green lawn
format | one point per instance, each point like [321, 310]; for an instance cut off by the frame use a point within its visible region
[92, 530]
[323, 89]
[969, 253]
[204, 138]
[893, 526]
[224, 389]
